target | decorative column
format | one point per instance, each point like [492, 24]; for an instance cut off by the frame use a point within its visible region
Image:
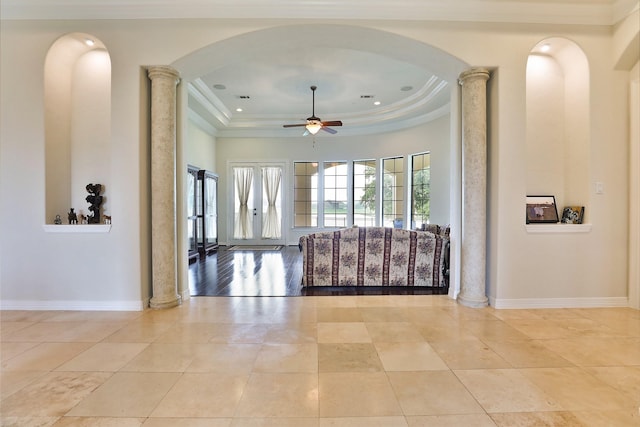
[163, 198]
[474, 188]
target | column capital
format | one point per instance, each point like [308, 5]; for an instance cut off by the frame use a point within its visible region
[163, 71]
[473, 74]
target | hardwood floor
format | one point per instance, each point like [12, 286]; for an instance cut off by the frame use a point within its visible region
[247, 273]
[269, 273]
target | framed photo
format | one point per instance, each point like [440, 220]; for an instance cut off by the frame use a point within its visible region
[572, 215]
[541, 209]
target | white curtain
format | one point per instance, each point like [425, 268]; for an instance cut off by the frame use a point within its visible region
[243, 227]
[271, 223]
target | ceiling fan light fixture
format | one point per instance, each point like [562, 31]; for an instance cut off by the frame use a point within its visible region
[313, 127]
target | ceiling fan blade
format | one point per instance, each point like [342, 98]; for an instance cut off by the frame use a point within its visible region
[294, 126]
[333, 123]
[331, 131]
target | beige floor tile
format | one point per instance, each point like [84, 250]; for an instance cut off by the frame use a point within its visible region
[160, 357]
[25, 315]
[44, 357]
[409, 356]
[597, 351]
[533, 419]
[287, 358]
[628, 418]
[363, 422]
[343, 332]
[126, 394]
[292, 334]
[432, 393]
[241, 333]
[104, 357]
[527, 354]
[202, 395]
[540, 329]
[348, 357]
[575, 389]
[384, 314]
[187, 332]
[495, 330]
[444, 332]
[464, 420]
[339, 314]
[274, 422]
[64, 332]
[139, 332]
[229, 358]
[10, 327]
[625, 379]
[98, 422]
[11, 382]
[12, 349]
[375, 395]
[28, 421]
[394, 332]
[94, 316]
[586, 328]
[188, 422]
[505, 390]
[468, 354]
[280, 395]
[53, 394]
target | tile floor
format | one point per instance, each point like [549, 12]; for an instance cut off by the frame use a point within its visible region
[363, 361]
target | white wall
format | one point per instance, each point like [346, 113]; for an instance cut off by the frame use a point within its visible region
[39, 269]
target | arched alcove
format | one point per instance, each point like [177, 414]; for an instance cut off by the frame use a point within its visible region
[77, 88]
[558, 140]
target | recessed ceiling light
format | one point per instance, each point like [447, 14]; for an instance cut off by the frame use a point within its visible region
[220, 87]
[89, 42]
[376, 103]
[545, 47]
[406, 88]
[239, 110]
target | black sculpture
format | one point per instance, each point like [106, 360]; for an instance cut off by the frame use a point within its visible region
[73, 217]
[95, 200]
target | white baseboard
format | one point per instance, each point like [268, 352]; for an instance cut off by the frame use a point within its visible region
[559, 302]
[74, 305]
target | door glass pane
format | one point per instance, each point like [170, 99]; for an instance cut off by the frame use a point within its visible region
[243, 202]
[364, 193]
[271, 202]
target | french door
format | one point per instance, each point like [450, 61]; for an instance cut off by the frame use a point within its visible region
[257, 204]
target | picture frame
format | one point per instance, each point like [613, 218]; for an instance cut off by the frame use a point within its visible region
[541, 209]
[572, 215]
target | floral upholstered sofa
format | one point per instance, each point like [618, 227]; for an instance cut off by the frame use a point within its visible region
[375, 256]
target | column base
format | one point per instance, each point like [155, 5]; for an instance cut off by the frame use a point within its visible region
[473, 302]
[158, 305]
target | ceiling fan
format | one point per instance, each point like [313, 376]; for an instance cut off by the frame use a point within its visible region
[314, 124]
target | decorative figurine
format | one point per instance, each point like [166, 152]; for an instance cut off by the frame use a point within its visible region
[107, 219]
[82, 218]
[58, 220]
[73, 218]
[95, 200]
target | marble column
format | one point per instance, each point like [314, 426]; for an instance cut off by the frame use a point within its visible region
[474, 188]
[163, 187]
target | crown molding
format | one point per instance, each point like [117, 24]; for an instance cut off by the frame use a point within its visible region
[594, 12]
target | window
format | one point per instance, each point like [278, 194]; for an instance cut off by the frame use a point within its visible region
[305, 188]
[420, 189]
[364, 193]
[393, 192]
[335, 194]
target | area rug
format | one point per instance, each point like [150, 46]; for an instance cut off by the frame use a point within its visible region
[255, 248]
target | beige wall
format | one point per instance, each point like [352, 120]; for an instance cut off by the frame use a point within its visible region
[112, 270]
